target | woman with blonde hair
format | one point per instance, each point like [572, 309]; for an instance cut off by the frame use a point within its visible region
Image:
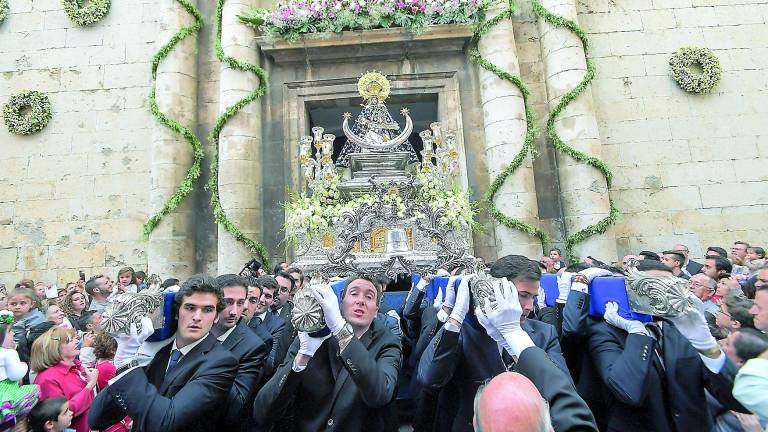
[60, 374]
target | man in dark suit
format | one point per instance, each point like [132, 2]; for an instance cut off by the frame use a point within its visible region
[655, 374]
[345, 381]
[268, 326]
[283, 307]
[185, 384]
[463, 354]
[691, 267]
[249, 350]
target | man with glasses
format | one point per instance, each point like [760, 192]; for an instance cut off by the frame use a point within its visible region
[739, 251]
[690, 267]
[703, 287]
[733, 313]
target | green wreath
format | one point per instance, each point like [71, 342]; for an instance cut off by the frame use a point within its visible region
[85, 15]
[27, 112]
[3, 10]
[690, 81]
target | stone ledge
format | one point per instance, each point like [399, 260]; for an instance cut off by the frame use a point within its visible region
[364, 45]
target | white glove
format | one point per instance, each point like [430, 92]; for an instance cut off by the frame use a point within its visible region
[128, 345]
[564, 286]
[506, 318]
[421, 285]
[438, 303]
[461, 307]
[330, 304]
[394, 315]
[630, 326]
[492, 331]
[693, 326]
[450, 292]
[308, 345]
[593, 272]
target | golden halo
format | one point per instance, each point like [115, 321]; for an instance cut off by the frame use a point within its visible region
[373, 84]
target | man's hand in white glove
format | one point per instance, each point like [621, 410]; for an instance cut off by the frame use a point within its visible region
[564, 286]
[330, 304]
[693, 326]
[613, 318]
[461, 307]
[424, 280]
[492, 331]
[308, 345]
[450, 292]
[128, 345]
[505, 318]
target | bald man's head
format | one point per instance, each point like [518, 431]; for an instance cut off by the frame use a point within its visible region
[511, 403]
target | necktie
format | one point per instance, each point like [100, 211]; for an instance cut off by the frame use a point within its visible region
[175, 356]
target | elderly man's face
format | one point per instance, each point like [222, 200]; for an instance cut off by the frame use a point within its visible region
[681, 249]
[699, 286]
[359, 305]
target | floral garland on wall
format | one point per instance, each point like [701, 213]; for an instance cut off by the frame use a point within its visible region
[602, 225]
[530, 130]
[187, 185]
[4, 8]
[86, 15]
[26, 123]
[298, 17]
[692, 82]
[219, 214]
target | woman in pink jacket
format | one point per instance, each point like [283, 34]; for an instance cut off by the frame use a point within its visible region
[60, 374]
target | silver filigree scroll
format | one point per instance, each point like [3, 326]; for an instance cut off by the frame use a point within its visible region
[664, 296]
[129, 308]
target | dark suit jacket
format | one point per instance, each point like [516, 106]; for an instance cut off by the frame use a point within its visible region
[572, 412]
[288, 334]
[693, 267]
[188, 398]
[271, 332]
[641, 395]
[251, 353]
[467, 359]
[412, 311]
[349, 391]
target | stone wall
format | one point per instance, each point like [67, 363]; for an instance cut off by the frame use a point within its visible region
[689, 168]
[74, 195]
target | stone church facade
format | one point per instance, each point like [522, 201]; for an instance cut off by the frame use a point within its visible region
[687, 168]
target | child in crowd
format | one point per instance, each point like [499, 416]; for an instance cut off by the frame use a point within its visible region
[141, 278]
[126, 281]
[755, 260]
[15, 400]
[104, 348]
[51, 415]
[23, 303]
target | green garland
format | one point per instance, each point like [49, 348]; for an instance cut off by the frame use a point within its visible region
[187, 185]
[213, 182]
[699, 83]
[599, 227]
[4, 8]
[81, 15]
[530, 130]
[27, 123]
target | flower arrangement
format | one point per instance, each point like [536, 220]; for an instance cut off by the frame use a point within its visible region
[692, 82]
[3, 10]
[297, 17]
[459, 209]
[27, 112]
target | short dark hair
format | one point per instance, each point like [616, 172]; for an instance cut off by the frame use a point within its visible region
[741, 243]
[86, 318]
[375, 280]
[649, 264]
[577, 267]
[278, 267]
[738, 308]
[92, 284]
[677, 256]
[516, 266]
[286, 275]
[650, 255]
[750, 343]
[44, 411]
[252, 281]
[141, 274]
[717, 249]
[169, 283]
[721, 263]
[758, 250]
[268, 282]
[231, 280]
[554, 249]
[199, 283]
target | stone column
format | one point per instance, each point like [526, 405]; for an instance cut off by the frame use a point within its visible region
[583, 188]
[240, 142]
[171, 251]
[504, 124]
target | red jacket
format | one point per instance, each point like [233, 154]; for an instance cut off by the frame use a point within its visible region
[61, 380]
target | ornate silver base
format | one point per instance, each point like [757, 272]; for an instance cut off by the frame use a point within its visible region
[379, 168]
